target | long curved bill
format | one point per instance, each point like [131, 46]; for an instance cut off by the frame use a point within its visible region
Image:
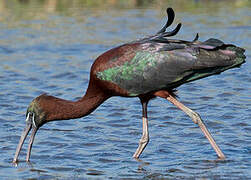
[22, 139]
[33, 133]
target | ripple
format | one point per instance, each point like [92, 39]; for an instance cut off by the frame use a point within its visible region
[93, 172]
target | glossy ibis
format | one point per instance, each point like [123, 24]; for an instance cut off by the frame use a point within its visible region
[146, 68]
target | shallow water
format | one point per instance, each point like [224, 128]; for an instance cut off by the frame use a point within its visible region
[48, 47]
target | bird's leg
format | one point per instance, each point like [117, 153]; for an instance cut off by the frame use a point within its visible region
[145, 136]
[197, 120]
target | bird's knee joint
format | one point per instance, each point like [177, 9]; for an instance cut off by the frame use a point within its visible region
[144, 140]
[196, 118]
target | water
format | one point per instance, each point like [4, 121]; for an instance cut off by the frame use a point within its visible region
[49, 46]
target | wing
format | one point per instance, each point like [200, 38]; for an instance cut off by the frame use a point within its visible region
[161, 65]
[155, 62]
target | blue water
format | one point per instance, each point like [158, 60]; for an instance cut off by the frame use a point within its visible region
[52, 52]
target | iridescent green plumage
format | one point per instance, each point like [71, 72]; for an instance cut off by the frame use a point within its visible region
[157, 63]
[168, 64]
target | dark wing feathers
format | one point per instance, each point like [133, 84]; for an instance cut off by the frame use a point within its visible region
[171, 15]
[161, 35]
[158, 66]
[160, 63]
[213, 42]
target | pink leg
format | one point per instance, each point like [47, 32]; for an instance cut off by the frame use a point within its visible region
[197, 120]
[144, 139]
[145, 135]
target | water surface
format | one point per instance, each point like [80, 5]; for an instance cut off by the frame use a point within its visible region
[49, 46]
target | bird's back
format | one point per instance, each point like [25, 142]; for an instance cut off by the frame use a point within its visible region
[154, 63]
[140, 68]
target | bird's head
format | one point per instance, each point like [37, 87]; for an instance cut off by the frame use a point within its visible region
[36, 116]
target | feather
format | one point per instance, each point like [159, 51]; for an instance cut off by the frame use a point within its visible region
[156, 63]
[156, 66]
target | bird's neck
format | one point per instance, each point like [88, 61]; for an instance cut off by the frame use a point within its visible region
[61, 109]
